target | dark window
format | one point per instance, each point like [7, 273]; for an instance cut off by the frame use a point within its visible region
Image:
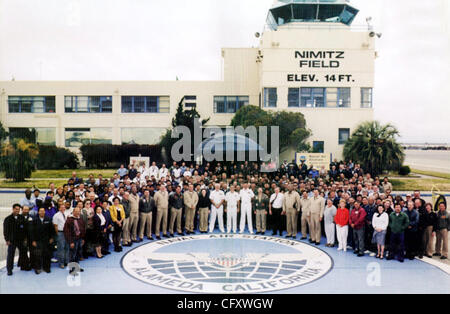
[31, 104]
[344, 135]
[88, 104]
[344, 97]
[294, 97]
[318, 147]
[229, 104]
[312, 97]
[270, 97]
[145, 104]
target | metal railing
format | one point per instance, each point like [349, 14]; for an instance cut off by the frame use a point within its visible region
[318, 25]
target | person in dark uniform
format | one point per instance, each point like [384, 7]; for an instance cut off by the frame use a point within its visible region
[42, 237]
[14, 231]
[27, 263]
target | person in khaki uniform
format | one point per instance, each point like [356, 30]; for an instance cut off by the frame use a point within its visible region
[203, 210]
[146, 208]
[261, 207]
[190, 203]
[162, 206]
[291, 207]
[305, 204]
[134, 214]
[176, 203]
[316, 209]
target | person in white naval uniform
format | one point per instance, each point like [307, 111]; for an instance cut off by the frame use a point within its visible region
[246, 208]
[217, 198]
[232, 199]
[163, 172]
[153, 171]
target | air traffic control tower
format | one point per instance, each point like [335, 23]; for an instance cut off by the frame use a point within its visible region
[314, 61]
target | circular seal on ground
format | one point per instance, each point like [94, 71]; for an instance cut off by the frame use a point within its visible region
[227, 263]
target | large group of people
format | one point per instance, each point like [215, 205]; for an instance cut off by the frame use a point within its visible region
[350, 208]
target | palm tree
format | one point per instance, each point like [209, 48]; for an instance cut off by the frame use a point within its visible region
[375, 147]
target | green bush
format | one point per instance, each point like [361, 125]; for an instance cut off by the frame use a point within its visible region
[17, 159]
[404, 170]
[52, 157]
[103, 155]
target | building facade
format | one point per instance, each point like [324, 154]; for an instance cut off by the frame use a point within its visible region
[309, 60]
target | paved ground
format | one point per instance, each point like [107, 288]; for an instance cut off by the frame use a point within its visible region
[438, 161]
[348, 274]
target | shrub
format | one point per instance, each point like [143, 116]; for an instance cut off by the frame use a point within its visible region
[52, 157]
[17, 159]
[404, 170]
[102, 155]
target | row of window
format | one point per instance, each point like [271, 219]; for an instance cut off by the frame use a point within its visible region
[76, 137]
[304, 97]
[318, 97]
[88, 104]
[229, 104]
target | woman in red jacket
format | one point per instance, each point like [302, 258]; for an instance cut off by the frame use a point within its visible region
[341, 219]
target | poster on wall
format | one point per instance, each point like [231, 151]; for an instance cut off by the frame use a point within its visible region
[140, 162]
[316, 160]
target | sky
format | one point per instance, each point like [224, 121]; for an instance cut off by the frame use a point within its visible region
[162, 40]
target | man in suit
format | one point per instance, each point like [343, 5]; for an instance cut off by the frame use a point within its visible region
[14, 232]
[42, 237]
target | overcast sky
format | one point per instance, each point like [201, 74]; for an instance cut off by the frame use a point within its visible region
[160, 40]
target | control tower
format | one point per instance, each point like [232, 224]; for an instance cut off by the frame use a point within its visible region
[294, 11]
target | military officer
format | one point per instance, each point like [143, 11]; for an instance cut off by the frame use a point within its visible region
[190, 203]
[217, 198]
[162, 208]
[304, 209]
[261, 206]
[246, 196]
[232, 199]
[291, 207]
[316, 210]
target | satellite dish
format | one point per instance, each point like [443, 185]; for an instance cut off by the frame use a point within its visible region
[257, 35]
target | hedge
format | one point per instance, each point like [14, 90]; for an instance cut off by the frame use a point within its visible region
[52, 157]
[102, 155]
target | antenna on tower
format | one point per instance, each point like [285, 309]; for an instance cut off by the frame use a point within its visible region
[369, 20]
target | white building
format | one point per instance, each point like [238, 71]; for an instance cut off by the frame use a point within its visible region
[310, 60]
